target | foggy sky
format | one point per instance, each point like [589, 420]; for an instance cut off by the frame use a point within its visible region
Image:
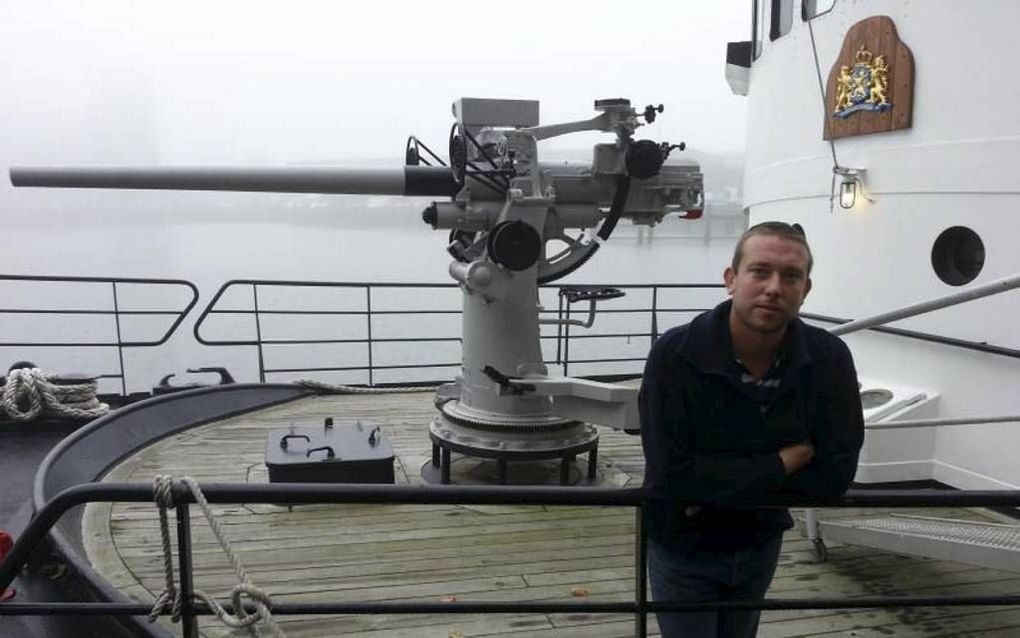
[243, 82]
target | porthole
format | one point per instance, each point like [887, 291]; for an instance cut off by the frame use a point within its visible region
[958, 255]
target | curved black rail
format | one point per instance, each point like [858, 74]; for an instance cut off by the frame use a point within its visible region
[115, 311]
[311, 493]
[87, 454]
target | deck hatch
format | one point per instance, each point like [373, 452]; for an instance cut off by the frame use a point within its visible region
[351, 453]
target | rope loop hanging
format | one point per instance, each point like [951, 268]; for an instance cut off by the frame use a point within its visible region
[170, 599]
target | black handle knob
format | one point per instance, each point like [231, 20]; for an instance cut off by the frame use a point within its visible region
[283, 439]
[650, 112]
[329, 451]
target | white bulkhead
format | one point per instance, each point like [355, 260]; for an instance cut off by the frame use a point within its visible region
[954, 174]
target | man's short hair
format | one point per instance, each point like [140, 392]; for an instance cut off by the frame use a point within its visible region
[793, 232]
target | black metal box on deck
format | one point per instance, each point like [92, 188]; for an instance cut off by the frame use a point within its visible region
[355, 453]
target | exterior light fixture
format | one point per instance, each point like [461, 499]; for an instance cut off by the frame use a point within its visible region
[847, 193]
[850, 182]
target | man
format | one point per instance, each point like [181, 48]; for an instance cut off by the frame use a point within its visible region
[744, 401]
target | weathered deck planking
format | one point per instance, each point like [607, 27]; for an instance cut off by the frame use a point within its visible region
[478, 553]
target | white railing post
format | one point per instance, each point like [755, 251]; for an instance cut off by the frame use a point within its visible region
[963, 296]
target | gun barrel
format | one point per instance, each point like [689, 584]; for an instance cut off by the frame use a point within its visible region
[406, 181]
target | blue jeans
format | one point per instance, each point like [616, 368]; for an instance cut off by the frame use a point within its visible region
[683, 575]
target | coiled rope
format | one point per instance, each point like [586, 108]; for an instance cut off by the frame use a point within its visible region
[332, 388]
[170, 599]
[35, 389]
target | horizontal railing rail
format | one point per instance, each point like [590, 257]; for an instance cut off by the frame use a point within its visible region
[907, 424]
[174, 315]
[922, 336]
[877, 322]
[310, 493]
[966, 295]
[646, 328]
[645, 323]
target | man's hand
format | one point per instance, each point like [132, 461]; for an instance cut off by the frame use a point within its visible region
[796, 456]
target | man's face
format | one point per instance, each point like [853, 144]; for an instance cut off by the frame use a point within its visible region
[770, 284]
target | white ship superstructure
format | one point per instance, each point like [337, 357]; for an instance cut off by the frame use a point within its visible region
[899, 217]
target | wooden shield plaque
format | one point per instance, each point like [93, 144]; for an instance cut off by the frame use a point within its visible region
[871, 85]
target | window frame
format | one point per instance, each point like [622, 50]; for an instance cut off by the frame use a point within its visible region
[776, 22]
[804, 8]
[757, 28]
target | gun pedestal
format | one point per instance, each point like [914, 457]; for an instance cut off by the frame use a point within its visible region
[498, 414]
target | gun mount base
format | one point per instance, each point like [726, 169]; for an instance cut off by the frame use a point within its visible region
[504, 443]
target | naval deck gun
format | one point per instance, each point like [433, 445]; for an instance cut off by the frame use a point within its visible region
[514, 223]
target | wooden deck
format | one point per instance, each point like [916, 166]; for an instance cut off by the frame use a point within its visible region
[513, 553]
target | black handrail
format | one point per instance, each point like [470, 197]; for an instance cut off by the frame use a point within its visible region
[312, 493]
[116, 312]
[924, 336]
[562, 335]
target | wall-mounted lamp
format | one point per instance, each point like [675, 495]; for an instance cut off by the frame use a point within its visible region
[851, 181]
[847, 193]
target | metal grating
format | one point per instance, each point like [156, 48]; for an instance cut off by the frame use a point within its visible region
[946, 529]
[992, 545]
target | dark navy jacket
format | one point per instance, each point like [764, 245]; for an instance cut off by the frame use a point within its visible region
[707, 441]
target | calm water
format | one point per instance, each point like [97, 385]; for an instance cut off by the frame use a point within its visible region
[209, 254]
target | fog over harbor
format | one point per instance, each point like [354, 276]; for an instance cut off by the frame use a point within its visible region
[324, 83]
[259, 82]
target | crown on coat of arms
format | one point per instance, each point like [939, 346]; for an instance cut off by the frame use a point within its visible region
[863, 56]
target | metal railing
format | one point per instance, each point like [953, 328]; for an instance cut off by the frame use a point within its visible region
[564, 336]
[258, 313]
[922, 336]
[114, 310]
[370, 311]
[651, 313]
[301, 494]
[877, 322]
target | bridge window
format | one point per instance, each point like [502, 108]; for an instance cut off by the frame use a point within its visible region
[758, 26]
[812, 8]
[782, 18]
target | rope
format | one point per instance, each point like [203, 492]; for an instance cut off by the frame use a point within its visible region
[171, 597]
[330, 388]
[33, 388]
